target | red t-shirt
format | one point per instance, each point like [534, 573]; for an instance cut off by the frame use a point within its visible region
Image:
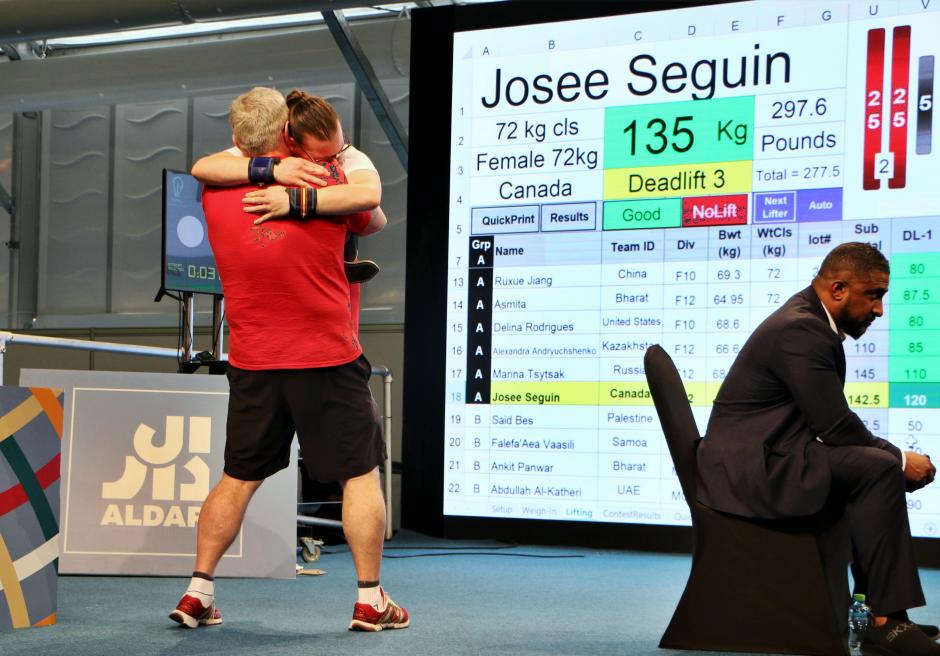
[287, 300]
[355, 293]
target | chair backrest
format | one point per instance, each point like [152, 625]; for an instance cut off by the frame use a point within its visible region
[675, 415]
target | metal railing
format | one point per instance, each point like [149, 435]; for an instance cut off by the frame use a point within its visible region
[8, 338]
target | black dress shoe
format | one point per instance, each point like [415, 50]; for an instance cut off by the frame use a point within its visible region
[896, 638]
[360, 271]
[929, 630]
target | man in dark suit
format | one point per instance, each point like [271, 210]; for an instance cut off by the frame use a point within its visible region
[782, 441]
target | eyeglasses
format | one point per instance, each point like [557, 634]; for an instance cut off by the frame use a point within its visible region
[342, 150]
[328, 158]
[346, 146]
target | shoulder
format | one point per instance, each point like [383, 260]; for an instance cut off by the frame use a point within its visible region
[804, 307]
[353, 159]
[797, 319]
[801, 331]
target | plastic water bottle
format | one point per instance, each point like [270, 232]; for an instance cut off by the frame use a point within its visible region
[859, 620]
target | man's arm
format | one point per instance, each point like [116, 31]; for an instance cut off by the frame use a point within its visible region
[276, 204]
[221, 169]
[376, 222]
[809, 372]
[362, 193]
[226, 169]
[805, 361]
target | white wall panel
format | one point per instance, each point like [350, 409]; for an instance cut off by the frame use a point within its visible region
[73, 224]
[148, 137]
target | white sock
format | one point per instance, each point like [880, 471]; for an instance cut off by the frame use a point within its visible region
[373, 596]
[202, 590]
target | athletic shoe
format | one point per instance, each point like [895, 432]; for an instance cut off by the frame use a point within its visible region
[359, 271]
[898, 639]
[367, 618]
[930, 630]
[191, 613]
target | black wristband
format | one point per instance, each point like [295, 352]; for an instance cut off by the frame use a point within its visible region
[302, 201]
[261, 169]
[293, 197]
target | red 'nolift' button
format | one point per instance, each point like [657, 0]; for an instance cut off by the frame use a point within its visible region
[714, 211]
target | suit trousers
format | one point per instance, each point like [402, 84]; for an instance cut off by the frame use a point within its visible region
[870, 483]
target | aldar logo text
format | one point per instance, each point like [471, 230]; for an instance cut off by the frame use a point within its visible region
[177, 480]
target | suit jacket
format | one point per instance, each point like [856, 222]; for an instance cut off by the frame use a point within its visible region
[760, 456]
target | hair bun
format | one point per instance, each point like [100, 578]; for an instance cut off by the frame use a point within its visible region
[294, 97]
[310, 115]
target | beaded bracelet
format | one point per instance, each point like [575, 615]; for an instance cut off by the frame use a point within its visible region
[303, 201]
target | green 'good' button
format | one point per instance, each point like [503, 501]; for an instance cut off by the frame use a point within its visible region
[633, 214]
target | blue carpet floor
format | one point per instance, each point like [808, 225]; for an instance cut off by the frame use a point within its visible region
[526, 600]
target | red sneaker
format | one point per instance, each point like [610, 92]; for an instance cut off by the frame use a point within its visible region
[367, 618]
[191, 613]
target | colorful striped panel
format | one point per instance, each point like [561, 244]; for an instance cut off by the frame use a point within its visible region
[16, 495]
[30, 442]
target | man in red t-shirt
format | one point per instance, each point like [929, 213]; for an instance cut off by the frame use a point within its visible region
[287, 299]
[295, 364]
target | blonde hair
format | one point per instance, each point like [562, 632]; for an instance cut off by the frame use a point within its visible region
[311, 115]
[258, 117]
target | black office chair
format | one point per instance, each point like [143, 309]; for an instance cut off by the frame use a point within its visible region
[756, 585]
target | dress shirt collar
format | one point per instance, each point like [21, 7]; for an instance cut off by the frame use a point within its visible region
[832, 323]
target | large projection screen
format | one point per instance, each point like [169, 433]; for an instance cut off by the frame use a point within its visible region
[668, 177]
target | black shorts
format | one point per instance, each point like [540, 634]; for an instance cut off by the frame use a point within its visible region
[331, 409]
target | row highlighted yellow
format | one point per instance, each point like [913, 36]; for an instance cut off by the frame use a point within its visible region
[590, 393]
[858, 395]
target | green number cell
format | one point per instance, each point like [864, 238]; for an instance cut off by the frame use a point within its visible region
[915, 265]
[915, 316]
[915, 291]
[717, 130]
[913, 342]
[906, 395]
[904, 367]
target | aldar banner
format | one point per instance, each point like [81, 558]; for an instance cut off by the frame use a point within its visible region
[140, 452]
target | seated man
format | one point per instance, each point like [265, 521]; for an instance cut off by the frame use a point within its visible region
[782, 441]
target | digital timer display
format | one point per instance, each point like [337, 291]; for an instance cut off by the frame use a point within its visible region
[188, 262]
